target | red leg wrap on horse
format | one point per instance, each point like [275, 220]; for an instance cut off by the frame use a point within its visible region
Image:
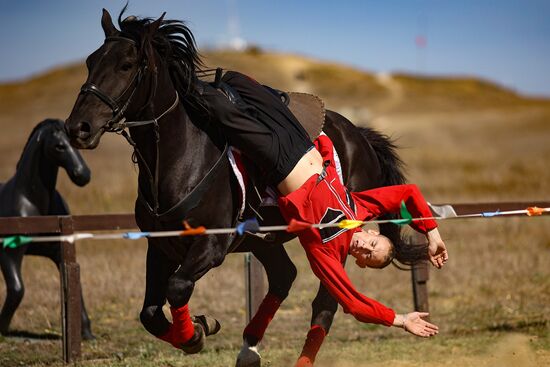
[263, 317]
[314, 339]
[182, 329]
[303, 361]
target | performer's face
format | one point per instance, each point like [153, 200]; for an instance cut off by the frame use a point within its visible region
[370, 248]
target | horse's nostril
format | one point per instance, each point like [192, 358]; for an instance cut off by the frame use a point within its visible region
[81, 130]
[85, 127]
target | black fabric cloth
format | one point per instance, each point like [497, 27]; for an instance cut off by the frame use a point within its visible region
[262, 128]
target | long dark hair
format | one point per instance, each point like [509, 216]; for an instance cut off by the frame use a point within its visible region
[404, 249]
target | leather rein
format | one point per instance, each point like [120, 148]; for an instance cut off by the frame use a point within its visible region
[118, 124]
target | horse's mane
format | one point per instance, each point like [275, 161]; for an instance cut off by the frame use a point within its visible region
[175, 43]
[53, 123]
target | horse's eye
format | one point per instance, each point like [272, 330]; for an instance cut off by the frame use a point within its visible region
[60, 147]
[126, 66]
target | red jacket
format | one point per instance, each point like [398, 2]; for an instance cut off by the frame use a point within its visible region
[327, 248]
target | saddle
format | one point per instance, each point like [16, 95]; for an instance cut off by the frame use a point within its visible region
[308, 109]
[310, 112]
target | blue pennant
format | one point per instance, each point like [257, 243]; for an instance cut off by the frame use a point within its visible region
[491, 214]
[135, 235]
[249, 225]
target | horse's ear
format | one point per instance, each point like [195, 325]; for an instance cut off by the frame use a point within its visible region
[153, 27]
[107, 24]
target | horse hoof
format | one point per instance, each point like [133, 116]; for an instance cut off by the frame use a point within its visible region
[210, 325]
[196, 344]
[249, 357]
[87, 335]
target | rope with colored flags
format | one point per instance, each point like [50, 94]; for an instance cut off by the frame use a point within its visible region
[252, 226]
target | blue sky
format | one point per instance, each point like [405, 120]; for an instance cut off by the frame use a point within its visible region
[504, 41]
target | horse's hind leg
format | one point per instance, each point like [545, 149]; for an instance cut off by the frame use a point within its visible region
[281, 273]
[10, 262]
[324, 306]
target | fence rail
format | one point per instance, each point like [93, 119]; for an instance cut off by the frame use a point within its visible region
[70, 270]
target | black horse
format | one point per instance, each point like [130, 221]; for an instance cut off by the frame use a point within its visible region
[32, 192]
[142, 77]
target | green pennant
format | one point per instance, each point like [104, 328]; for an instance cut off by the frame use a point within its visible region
[406, 217]
[15, 241]
[401, 222]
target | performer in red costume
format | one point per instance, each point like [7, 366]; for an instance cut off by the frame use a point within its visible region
[265, 131]
[323, 199]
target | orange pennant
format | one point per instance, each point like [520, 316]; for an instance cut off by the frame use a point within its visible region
[297, 226]
[533, 210]
[190, 231]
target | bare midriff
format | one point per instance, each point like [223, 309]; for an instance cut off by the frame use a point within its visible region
[310, 164]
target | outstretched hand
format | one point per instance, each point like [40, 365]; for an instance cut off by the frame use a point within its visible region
[414, 324]
[437, 251]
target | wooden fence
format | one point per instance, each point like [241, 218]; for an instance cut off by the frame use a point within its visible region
[255, 290]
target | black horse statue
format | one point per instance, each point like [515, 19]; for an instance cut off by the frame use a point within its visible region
[32, 192]
[142, 78]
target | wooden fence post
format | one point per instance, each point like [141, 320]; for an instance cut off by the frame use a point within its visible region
[70, 295]
[254, 284]
[420, 276]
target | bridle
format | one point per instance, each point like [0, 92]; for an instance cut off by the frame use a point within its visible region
[118, 122]
[118, 125]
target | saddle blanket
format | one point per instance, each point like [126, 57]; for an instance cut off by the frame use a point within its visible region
[269, 198]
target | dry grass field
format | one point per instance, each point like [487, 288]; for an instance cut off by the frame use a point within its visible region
[463, 140]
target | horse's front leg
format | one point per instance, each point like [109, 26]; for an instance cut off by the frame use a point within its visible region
[188, 333]
[159, 269]
[324, 306]
[10, 263]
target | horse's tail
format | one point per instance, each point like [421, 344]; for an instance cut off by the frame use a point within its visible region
[392, 171]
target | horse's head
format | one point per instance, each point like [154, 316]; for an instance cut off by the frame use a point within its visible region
[119, 82]
[58, 150]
